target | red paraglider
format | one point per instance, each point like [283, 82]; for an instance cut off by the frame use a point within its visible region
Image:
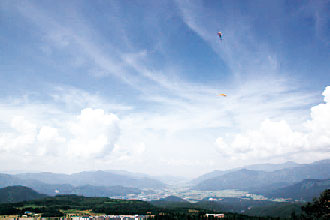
[220, 35]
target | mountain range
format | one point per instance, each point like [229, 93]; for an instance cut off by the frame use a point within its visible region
[53, 189]
[95, 178]
[268, 167]
[98, 183]
[304, 190]
[280, 179]
[259, 180]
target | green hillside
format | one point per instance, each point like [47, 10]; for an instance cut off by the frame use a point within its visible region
[17, 194]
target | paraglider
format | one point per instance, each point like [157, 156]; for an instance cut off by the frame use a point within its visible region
[224, 95]
[220, 35]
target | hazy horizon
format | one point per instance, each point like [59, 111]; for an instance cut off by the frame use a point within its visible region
[131, 85]
[14, 172]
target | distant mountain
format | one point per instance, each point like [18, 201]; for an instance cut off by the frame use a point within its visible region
[326, 161]
[85, 190]
[53, 189]
[255, 180]
[17, 194]
[213, 174]
[272, 167]
[241, 179]
[96, 178]
[106, 178]
[47, 177]
[8, 180]
[304, 190]
[262, 167]
[128, 173]
[44, 188]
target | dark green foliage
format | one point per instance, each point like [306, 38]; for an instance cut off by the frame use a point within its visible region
[238, 205]
[201, 216]
[50, 206]
[52, 213]
[283, 210]
[247, 207]
[319, 208]
[7, 209]
[17, 194]
[125, 207]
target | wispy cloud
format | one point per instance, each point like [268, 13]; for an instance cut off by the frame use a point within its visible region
[168, 113]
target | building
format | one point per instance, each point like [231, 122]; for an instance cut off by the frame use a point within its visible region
[215, 215]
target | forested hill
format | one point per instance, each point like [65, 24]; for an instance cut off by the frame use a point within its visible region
[18, 194]
[304, 190]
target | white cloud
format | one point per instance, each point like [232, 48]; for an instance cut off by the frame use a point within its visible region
[20, 138]
[47, 133]
[94, 133]
[319, 125]
[50, 142]
[277, 138]
[90, 134]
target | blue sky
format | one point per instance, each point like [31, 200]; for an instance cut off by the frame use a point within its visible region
[132, 84]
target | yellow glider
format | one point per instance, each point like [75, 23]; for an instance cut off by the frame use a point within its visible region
[224, 95]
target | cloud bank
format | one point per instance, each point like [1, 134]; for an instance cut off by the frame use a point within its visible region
[90, 134]
[277, 138]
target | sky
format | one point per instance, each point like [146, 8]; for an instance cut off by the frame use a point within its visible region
[133, 85]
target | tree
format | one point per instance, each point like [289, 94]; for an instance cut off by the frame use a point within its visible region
[319, 209]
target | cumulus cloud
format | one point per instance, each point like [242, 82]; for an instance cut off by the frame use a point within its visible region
[92, 133]
[22, 136]
[319, 124]
[277, 138]
[49, 141]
